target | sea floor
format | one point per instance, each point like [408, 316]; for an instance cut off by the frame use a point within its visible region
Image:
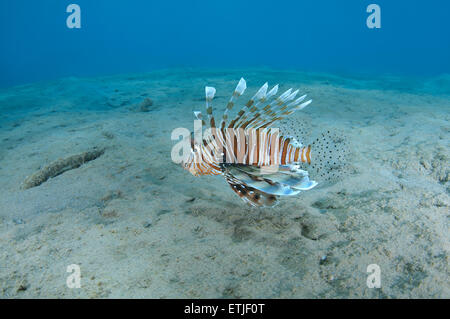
[138, 225]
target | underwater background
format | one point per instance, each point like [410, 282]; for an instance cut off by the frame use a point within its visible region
[86, 174]
[118, 36]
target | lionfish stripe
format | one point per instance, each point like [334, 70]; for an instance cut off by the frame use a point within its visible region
[297, 151]
[241, 141]
[288, 153]
[284, 152]
[253, 147]
[262, 149]
[229, 147]
[308, 154]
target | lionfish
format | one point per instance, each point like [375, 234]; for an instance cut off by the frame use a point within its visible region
[259, 164]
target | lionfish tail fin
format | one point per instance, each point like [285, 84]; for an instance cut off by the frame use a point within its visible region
[329, 157]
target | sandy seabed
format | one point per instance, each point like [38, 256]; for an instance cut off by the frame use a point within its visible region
[138, 225]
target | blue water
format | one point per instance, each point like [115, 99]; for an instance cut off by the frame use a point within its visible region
[142, 35]
[88, 178]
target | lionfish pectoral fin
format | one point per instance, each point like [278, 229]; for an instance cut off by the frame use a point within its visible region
[294, 177]
[288, 180]
[251, 195]
[269, 185]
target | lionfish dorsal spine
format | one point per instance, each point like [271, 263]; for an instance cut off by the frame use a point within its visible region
[238, 91]
[279, 104]
[250, 105]
[198, 116]
[258, 113]
[209, 96]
